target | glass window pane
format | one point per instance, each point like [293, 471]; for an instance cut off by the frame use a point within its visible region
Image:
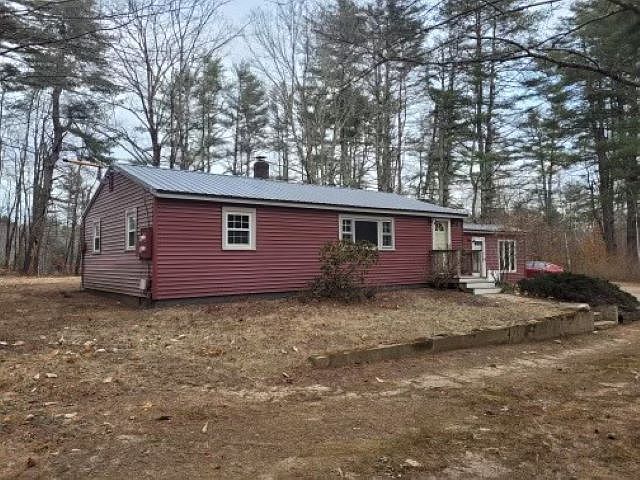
[513, 255]
[346, 225]
[387, 241]
[367, 231]
[347, 236]
[238, 237]
[238, 222]
[386, 227]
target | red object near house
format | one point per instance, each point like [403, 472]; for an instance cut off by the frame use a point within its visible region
[161, 234]
[537, 268]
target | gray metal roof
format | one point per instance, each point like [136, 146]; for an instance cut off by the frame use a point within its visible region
[163, 181]
[487, 227]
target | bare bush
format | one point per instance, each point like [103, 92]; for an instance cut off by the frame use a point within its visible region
[343, 269]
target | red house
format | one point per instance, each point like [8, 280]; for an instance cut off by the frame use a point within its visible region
[497, 253]
[161, 234]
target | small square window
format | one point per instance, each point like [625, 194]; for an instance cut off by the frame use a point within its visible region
[238, 231]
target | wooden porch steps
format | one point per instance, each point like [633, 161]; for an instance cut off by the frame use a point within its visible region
[478, 285]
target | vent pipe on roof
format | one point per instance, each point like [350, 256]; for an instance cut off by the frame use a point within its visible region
[261, 168]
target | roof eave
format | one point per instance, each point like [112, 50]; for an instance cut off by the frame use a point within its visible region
[317, 206]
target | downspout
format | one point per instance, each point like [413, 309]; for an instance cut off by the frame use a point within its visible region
[82, 252]
[154, 250]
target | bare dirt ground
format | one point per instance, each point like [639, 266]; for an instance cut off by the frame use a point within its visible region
[199, 392]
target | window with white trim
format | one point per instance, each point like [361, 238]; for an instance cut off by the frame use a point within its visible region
[238, 229]
[377, 231]
[387, 234]
[507, 255]
[347, 229]
[130, 229]
[97, 237]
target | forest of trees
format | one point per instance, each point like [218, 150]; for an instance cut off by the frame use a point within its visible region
[523, 112]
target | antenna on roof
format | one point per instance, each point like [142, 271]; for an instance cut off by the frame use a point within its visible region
[87, 163]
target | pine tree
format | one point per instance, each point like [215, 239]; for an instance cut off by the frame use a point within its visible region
[246, 115]
[208, 109]
[70, 66]
[546, 146]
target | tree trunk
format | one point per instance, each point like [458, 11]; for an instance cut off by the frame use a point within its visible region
[42, 191]
[605, 174]
[631, 194]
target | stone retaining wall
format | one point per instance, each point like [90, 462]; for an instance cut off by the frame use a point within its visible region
[570, 323]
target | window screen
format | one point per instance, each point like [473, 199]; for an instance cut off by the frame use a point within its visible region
[367, 232]
[377, 231]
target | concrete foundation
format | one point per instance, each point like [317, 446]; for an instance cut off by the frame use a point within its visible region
[606, 313]
[571, 323]
[628, 317]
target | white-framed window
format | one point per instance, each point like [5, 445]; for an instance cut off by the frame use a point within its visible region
[378, 231]
[130, 229]
[507, 255]
[97, 237]
[238, 228]
[441, 233]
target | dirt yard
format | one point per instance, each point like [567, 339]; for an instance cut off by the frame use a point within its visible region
[92, 388]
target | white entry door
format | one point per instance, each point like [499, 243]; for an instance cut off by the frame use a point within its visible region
[479, 257]
[441, 235]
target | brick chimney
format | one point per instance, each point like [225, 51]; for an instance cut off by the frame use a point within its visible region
[261, 168]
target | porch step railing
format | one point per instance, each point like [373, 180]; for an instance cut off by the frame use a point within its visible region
[450, 264]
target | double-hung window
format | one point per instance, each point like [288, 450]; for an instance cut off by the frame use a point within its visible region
[507, 255]
[97, 238]
[238, 229]
[387, 234]
[377, 231]
[130, 229]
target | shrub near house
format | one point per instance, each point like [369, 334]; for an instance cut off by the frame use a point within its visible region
[343, 269]
[573, 287]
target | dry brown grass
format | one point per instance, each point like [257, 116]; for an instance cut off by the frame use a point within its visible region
[250, 339]
[138, 409]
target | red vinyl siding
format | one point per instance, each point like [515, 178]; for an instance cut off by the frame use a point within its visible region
[456, 234]
[491, 244]
[114, 269]
[190, 262]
